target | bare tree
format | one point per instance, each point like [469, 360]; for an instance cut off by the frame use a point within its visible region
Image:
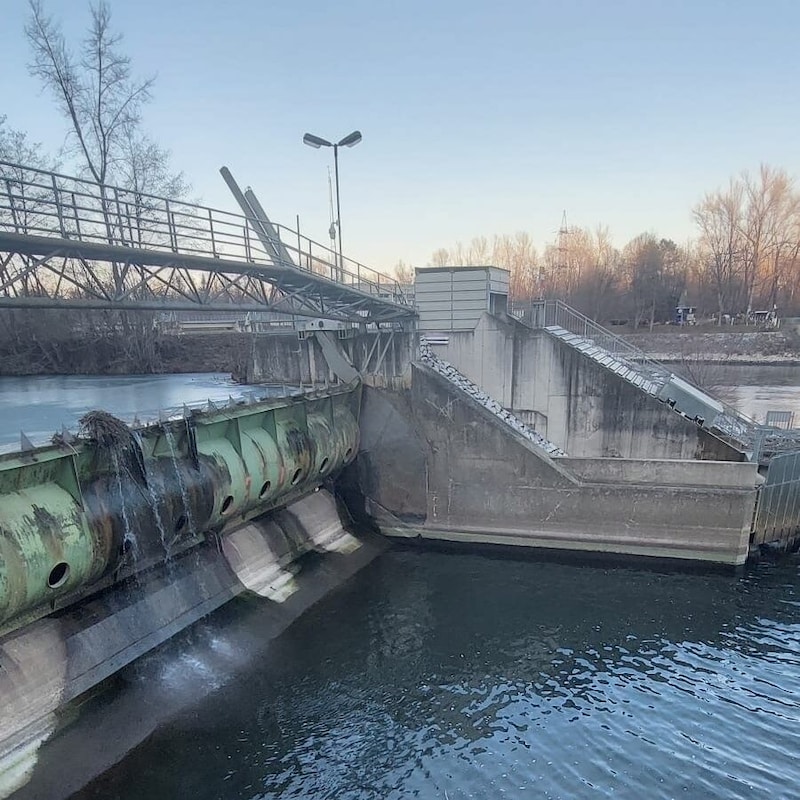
[719, 217]
[768, 230]
[404, 273]
[23, 155]
[441, 257]
[95, 89]
[17, 147]
[25, 205]
[643, 265]
[145, 167]
[747, 253]
[517, 253]
[101, 99]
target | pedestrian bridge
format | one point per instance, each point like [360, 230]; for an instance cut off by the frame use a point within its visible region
[71, 243]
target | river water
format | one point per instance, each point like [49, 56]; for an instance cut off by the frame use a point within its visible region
[455, 675]
[470, 675]
[754, 390]
[40, 405]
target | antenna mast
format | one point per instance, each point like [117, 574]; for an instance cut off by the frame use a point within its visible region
[563, 233]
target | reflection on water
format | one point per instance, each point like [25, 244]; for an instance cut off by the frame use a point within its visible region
[455, 676]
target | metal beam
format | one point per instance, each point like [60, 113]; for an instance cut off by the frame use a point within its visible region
[263, 228]
[341, 303]
[149, 305]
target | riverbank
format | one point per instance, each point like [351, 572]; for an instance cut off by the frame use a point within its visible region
[745, 347]
[116, 354]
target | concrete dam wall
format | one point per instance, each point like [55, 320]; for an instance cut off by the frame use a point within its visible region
[111, 544]
[570, 399]
[436, 464]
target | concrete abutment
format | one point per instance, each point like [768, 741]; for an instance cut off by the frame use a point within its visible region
[436, 464]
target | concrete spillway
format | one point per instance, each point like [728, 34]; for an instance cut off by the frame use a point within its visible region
[122, 501]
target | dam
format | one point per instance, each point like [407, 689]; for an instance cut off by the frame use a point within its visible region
[117, 539]
[449, 421]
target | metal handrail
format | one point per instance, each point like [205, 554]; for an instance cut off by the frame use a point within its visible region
[574, 321]
[734, 423]
[37, 202]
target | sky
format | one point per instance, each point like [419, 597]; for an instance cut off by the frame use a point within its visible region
[477, 117]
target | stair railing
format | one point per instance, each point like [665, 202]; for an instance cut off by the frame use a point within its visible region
[732, 423]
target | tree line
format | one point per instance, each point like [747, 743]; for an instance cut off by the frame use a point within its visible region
[745, 257]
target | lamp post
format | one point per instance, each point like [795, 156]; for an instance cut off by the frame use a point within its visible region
[351, 140]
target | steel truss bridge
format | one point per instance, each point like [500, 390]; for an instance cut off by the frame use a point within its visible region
[71, 243]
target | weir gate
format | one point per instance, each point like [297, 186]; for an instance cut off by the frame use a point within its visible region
[447, 420]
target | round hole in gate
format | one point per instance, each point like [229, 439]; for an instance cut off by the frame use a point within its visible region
[265, 488]
[298, 473]
[58, 575]
[324, 465]
[180, 524]
[227, 503]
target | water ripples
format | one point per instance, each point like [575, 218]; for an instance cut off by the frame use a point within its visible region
[466, 677]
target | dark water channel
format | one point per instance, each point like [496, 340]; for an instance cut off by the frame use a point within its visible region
[442, 675]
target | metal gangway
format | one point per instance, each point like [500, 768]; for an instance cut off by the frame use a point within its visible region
[66, 242]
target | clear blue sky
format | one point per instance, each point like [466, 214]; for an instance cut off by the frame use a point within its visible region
[478, 117]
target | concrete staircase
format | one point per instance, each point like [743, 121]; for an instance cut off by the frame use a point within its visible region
[653, 378]
[649, 377]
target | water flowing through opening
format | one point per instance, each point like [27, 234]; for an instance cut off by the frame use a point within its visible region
[155, 504]
[170, 438]
[129, 541]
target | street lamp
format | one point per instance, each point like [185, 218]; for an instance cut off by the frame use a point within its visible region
[351, 140]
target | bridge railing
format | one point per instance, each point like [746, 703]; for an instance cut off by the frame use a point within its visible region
[40, 203]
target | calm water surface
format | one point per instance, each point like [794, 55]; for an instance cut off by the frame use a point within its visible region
[39, 405]
[756, 390]
[441, 675]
